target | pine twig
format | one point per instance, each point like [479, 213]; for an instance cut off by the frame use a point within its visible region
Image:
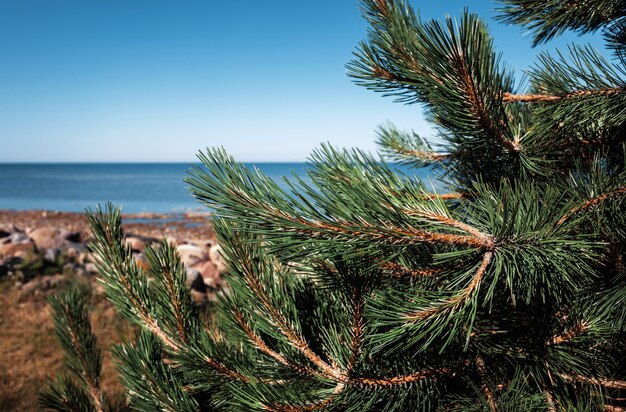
[607, 383]
[401, 379]
[568, 335]
[542, 98]
[260, 344]
[480, 367]
[460, 298]
[592, 202]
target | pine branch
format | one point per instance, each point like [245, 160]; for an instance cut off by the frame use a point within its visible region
[401, 379]
[621, 191]
[540, 98]
[480, 367]
[81, 354]
[240, 254]
[568, 335]
[454, 303]
[260, 344]
[321, 405]
[452, 70]
[550, 18]
[607, 383]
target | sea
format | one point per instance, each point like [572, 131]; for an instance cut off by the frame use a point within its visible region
[136, 187]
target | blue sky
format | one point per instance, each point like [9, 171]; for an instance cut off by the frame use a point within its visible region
[150, 80]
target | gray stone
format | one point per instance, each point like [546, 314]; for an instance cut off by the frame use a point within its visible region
[191, 254]
[48, 237]
[51, 255]
[194, 281]
[215, 253]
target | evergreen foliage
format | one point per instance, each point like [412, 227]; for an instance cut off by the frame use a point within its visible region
[364, 291]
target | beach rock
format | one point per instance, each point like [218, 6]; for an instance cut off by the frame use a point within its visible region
[6, 229]
[42, 283]
[74, 250]
[194, 281]
[203, 243]
[210, 275]
[51, 255]
[16, 249]
[91, 268]
[191, 254]
[135, 243]
[49, 237]
[16, 238]
[215, 253]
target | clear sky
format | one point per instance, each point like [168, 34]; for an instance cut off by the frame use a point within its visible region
[152, 80]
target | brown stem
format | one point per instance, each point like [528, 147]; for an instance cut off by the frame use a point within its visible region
[460, 298]
[608, 383]
[402, 379]
[480, 367]
[92, 381]
[357, 328]
[398, 270]
[592, 202]
[542, 98]
[549, 400]
[568, 335]
[262, 346]
[479, 108]
[323, 404]
[283, 325]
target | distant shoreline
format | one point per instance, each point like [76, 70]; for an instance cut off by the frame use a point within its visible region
[179, 225]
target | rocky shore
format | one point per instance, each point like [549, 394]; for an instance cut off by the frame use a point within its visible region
[39, 249]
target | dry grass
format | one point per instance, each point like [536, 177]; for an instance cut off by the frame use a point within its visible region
[29, 352]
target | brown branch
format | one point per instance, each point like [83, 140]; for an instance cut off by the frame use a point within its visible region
[608, 383]
[402, 379]
[460, 298]
[176, 303]
[549, 400]
[152, 325]
[479, 109]
[92, 382]
[480, 367]
[592, 202]
[421, 154]
[323, 404]
[568, 335]
[543, 98]
[448, 221]
[358, 326]
[281, 323]
[262, 346]
[447, 196]
[399, 270]
[380, 232]
[611, 408]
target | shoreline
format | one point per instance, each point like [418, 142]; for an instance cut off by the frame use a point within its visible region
[191, 224]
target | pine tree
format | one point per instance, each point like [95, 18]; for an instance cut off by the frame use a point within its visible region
[361, 290]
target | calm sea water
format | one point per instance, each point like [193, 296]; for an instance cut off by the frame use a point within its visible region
[137, 187]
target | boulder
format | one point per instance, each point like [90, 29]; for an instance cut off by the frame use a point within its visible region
[49, 237]
[194, 281]
[210, 275]
[135, 243]
[191, 254]
[74, 250]
[6, 229]
[16, 238]
[16, 249]
[215, 253]
[51, 255]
